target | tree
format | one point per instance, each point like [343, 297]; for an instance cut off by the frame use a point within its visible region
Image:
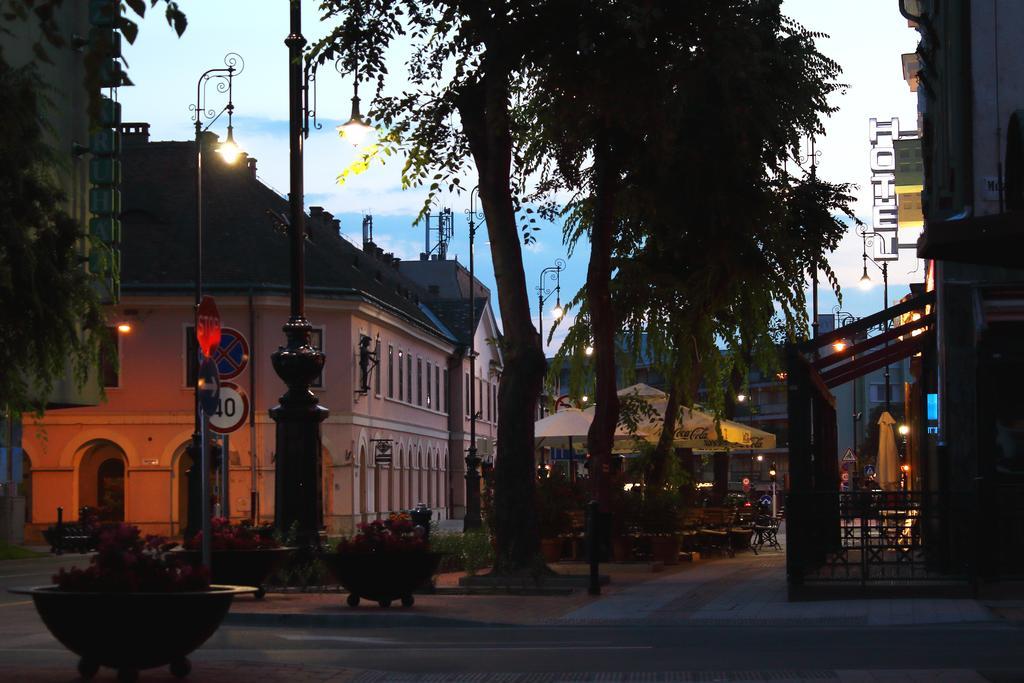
[467, 74]
[51, 318]
[712, 237]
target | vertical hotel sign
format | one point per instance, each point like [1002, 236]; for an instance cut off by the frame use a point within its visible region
[896, 184]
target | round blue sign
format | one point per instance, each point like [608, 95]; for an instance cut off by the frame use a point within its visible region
[232, 354]
[869, 470]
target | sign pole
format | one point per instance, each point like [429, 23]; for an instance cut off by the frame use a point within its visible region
[204, 469]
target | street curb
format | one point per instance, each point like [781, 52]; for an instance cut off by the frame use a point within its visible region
[293, 619]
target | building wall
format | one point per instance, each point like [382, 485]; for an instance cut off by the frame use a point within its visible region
[147, 420]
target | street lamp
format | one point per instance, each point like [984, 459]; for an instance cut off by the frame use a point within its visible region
[297, 480]
[198, 490]
[356, 128]
[772, 472]
[812, 156]
[552, 273]
[472, 518]
[867, 239]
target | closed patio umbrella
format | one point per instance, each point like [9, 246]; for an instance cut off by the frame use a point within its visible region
[888, 468]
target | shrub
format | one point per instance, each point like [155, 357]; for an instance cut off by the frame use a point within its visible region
[395, 534]
[244, 536]
[125, 562]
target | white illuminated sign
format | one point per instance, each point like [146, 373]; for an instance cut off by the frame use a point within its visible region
[884, 211]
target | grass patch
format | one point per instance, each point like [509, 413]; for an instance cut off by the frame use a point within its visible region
[14, 552]
[469, 552]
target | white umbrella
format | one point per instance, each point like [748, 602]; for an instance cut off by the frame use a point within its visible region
[695, 429]
[887, 469]
[559, 429]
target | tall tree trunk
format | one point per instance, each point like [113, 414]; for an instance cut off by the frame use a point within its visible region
[483, 106]
[659, 466]
[722, 460]
[601, 435]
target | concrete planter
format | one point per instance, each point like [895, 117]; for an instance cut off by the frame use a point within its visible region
[132, 631]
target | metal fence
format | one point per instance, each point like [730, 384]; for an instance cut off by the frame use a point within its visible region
[876, 537]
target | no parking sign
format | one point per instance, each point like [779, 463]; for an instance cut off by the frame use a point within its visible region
[232, 353]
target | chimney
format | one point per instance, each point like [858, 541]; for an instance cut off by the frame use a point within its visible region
[134, 132]
[251, 165]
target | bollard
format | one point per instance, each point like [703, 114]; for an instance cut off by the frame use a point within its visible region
[594, 587]
[59, 534]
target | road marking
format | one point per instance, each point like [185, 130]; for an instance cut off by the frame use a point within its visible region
[12, 604]
[353, 639]
[16, 576]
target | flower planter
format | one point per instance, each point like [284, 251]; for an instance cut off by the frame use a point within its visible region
[551, 549]
[241, 567]
[132, 631]
[382, 576]
[665, 548]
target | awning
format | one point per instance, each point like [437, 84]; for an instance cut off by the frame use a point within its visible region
[994, 240]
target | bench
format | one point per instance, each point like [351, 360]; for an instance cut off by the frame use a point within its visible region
[78, 538]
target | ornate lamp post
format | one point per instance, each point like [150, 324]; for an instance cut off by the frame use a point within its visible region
[867, 240]
[198, 488]
[472, 519]
[298, 496]
[812, 156]
[553, 273]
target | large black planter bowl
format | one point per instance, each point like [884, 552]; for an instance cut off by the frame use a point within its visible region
[132, 631]
[241, 567]
[382, 577]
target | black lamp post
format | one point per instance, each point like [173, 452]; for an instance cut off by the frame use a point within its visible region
[472, 519]
[868, 239]
[298, 494]
[812, 157]
[199, 487]
[553, 273]
[843, 318]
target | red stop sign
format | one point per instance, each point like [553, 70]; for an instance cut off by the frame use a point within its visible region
[208, 325]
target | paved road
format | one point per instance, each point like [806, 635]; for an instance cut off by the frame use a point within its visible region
[565, 653]
[34, 572]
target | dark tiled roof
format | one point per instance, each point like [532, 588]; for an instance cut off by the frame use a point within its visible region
[242, 247]
[454, 313]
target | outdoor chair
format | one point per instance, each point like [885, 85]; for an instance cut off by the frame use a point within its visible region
[690, 521]
[741, 530]
[766, 530]
[714, 534]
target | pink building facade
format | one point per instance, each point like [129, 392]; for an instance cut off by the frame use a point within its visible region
[128, 456]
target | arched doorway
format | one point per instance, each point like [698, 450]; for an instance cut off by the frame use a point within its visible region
[182, 464]
[110, 490]
[102, 479]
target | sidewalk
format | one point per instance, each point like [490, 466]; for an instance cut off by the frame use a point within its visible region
[747, 590]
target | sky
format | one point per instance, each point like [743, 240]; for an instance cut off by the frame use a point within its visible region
[866, 38]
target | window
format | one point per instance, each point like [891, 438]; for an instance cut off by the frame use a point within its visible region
[376, 370]
[408, 373]
[488, 402]
[876, 393]
[494, 392]
[401, 378]
[391, 371]
[430, 396]
[419, 381]
[468, 397]
[437, 387]
[444, 406]
[110, 359]
[191, 356]
[316, 340]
